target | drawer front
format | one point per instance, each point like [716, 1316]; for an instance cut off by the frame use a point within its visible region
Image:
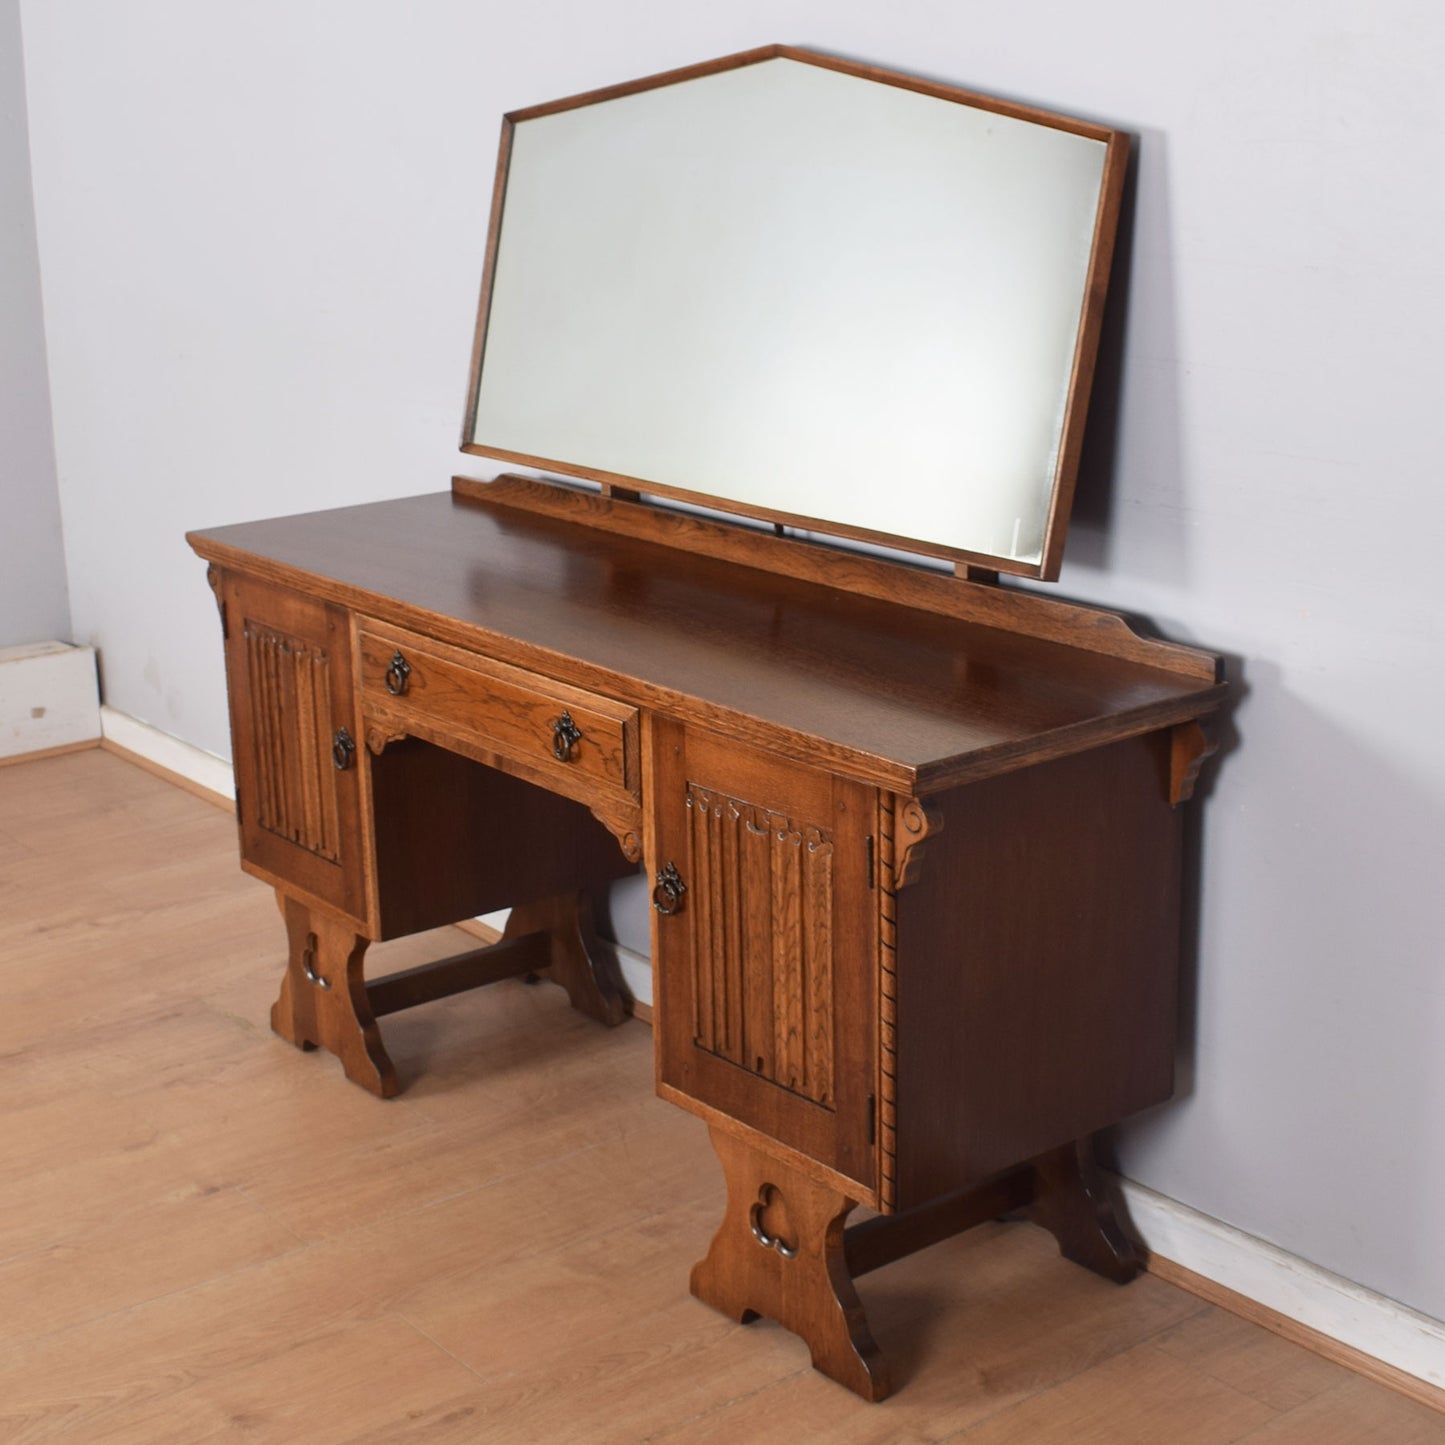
[572, 739]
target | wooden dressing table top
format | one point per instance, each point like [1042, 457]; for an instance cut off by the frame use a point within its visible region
[882, 690]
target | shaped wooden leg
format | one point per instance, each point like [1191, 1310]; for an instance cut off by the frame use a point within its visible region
[323, 1002]
[779, 1253]
[1072, 1203]
[580, 962]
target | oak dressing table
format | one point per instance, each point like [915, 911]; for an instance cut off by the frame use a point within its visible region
[913, 836]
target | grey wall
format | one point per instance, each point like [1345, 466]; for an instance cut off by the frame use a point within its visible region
[33, 602]
[262, 230]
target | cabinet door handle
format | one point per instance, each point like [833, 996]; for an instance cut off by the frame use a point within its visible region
[667, 896]
[342, 748]
[565, 736]
[397, 674]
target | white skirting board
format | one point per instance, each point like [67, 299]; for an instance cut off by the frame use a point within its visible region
[49, 697]
[636, 973]
[636, 970]
[1369, 1322]
[189, 762]
[1327, 1303]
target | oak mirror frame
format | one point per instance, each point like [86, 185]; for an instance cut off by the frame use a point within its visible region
[810, 292]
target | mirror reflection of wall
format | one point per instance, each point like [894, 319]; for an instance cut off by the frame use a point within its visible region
[791, 290]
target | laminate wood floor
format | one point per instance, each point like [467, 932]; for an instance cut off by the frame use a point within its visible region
[208, 1235]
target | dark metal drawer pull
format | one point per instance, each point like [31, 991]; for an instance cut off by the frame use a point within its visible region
[565, 736]
[397, 674]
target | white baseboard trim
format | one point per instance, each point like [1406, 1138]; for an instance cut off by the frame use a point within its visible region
[1323, 1302]
[636, 973]
[636, 968]
[203, 769]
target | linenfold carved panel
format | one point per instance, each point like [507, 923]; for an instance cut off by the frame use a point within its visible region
[762, 909]
[292, 725]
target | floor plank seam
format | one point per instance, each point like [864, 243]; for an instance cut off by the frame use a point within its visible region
[1054, 1387]
[450, 1354]
[1123, 1348]
[421, 1209]
[278, 1219]
[90, 1321]
[716, 1410]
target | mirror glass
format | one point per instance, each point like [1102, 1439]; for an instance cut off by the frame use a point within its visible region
[787, 289]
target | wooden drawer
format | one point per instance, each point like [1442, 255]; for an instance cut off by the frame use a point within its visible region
[520, 717]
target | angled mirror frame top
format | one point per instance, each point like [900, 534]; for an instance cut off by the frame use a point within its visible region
[811, 292]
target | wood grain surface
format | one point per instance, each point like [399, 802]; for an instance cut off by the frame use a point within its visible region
[887, 691]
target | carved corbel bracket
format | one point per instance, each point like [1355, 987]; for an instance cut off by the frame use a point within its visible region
[378, 739]
[1190, 746]
[623, 826]
[914, 822]
[213, 580]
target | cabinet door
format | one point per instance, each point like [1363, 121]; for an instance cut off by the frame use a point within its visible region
[288, 670]
[767, 974]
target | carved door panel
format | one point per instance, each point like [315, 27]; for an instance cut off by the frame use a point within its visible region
[766, 944]
[295, 741]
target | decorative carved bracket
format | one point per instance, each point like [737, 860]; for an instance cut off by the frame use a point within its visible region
[1190, 746]
[378, 739]
[623, 825]
[914, 823]
[213, 580]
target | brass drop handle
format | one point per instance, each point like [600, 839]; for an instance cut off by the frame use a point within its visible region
[397, 674]
[342, 748]
[565, 736]
[667, 896]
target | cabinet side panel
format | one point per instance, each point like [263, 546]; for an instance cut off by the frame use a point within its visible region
[1037, 964]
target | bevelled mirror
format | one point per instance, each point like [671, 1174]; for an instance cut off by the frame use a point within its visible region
[814, 293]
